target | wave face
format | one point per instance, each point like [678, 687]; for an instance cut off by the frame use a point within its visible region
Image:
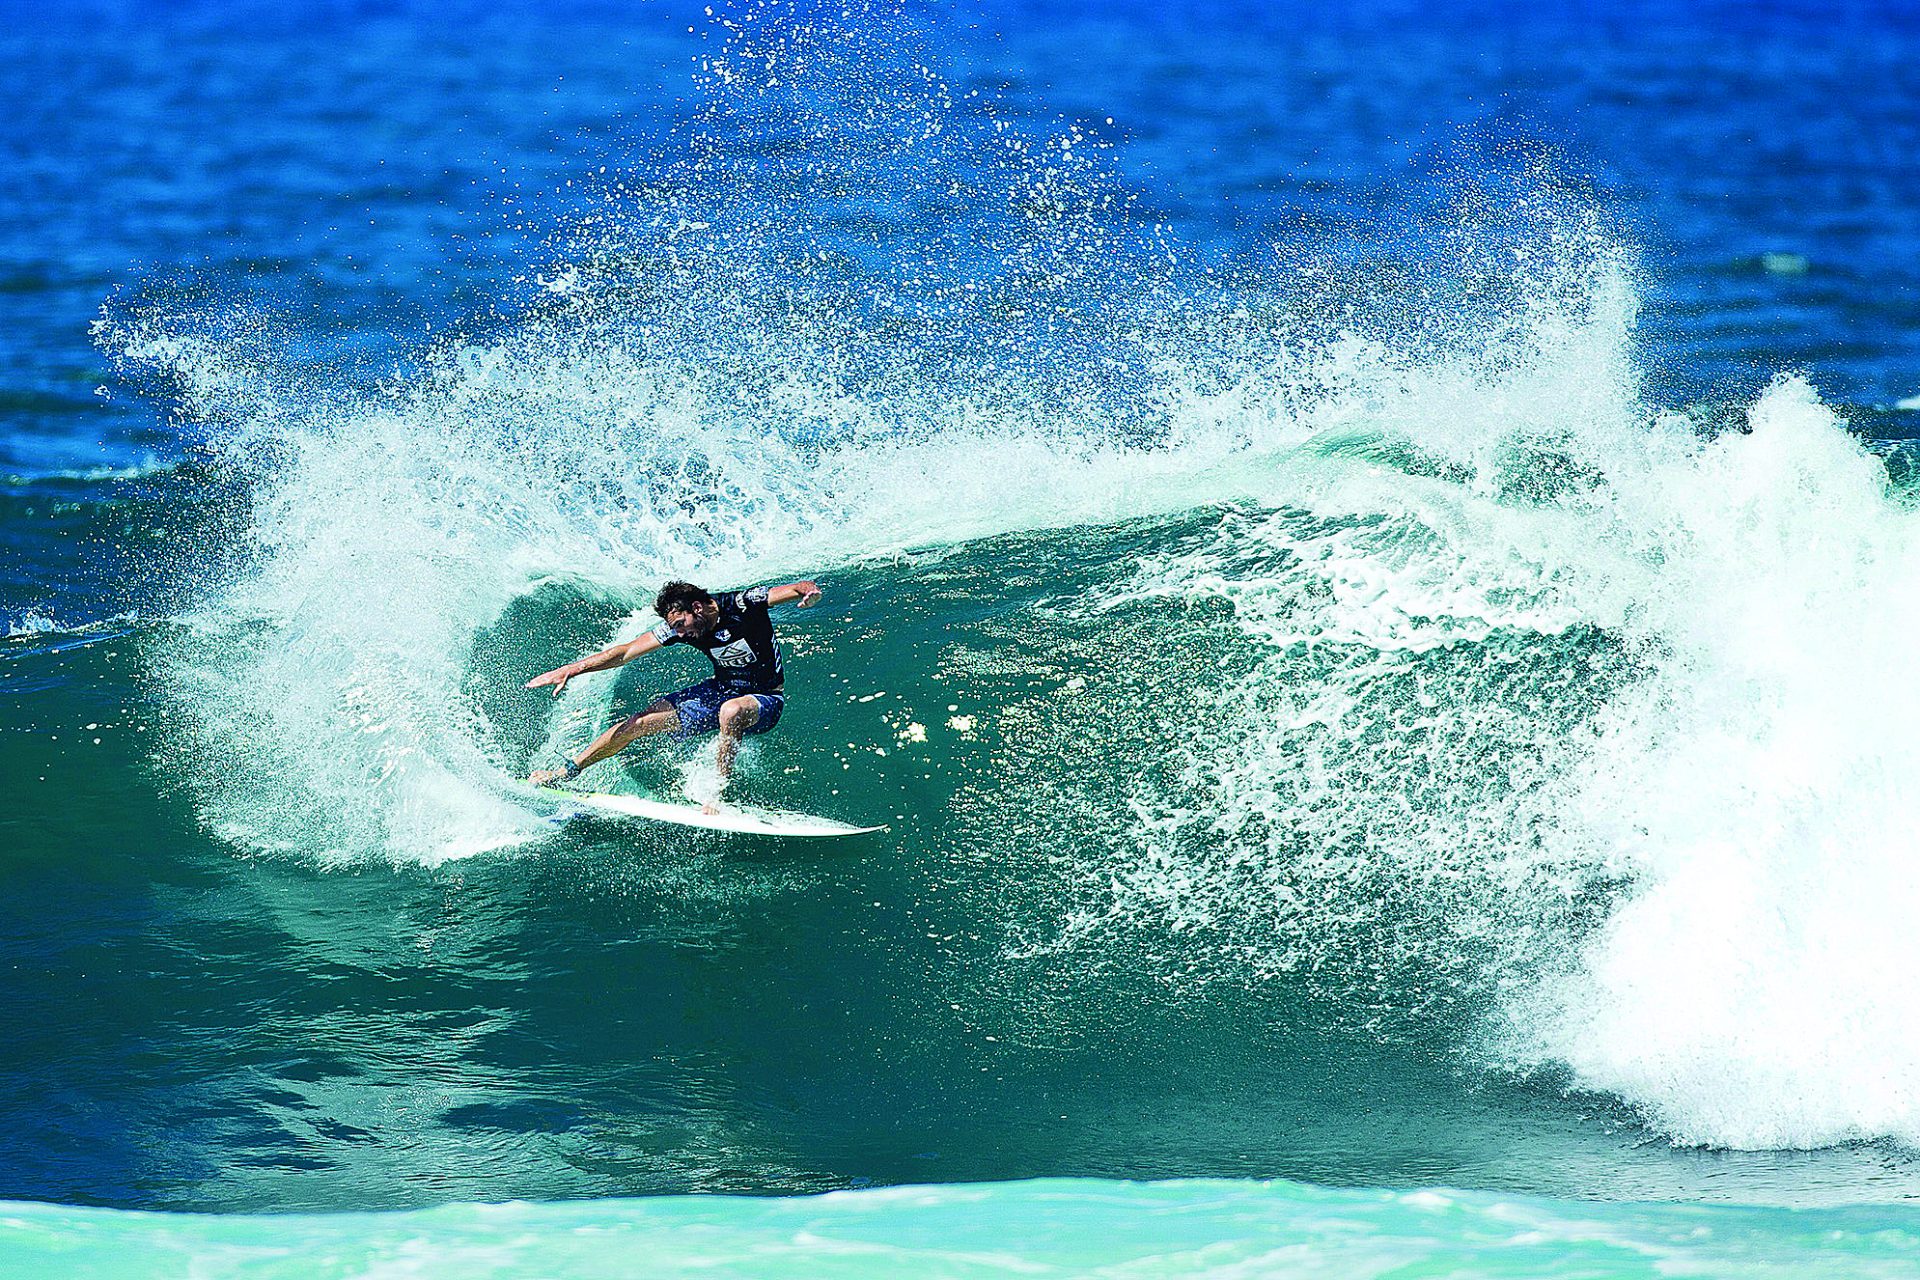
[1348, 640]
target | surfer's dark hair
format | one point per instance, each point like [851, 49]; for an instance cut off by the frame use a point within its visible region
[680, 597]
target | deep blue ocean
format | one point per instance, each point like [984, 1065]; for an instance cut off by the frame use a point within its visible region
[1371, 554]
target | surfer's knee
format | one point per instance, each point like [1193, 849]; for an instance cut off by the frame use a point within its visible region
[658, 718]
[739, 715]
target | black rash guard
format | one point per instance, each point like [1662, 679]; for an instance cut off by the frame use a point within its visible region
[745, 657]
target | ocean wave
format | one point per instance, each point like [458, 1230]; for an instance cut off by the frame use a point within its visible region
[1416, 652]
[1536, 683]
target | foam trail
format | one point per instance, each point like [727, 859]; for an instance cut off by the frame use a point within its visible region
[33, 624]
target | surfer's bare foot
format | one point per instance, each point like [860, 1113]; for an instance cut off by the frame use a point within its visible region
[709, 808]
[546, 777]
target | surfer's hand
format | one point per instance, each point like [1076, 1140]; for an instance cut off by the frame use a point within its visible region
[557, 677]
[809, 595]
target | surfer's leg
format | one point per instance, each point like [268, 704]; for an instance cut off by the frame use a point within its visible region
[657, 718]
[660, 717]
[738, 716]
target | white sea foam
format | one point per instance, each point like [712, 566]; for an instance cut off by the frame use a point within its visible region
[1749, 776]
[33, 624]
[1752, 990]
[1189, 1230]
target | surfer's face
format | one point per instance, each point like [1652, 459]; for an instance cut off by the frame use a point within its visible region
[690, 623]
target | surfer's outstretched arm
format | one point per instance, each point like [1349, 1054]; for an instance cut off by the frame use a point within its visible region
[605, 660]
[806, 591]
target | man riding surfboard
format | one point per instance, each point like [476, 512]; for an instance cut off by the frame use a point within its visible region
[744, 696]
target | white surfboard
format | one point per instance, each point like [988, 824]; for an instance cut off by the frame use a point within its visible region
[741, 818]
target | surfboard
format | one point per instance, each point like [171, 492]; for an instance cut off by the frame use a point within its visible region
[741, 819]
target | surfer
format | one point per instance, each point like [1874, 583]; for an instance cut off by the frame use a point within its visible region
[744, 696]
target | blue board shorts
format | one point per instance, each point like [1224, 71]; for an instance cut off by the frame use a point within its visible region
[699, 707]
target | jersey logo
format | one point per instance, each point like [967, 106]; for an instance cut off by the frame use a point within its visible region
[737, 654]
[722, 634]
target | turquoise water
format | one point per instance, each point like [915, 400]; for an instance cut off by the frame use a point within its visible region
[1368, 562]
[1059, 1227]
